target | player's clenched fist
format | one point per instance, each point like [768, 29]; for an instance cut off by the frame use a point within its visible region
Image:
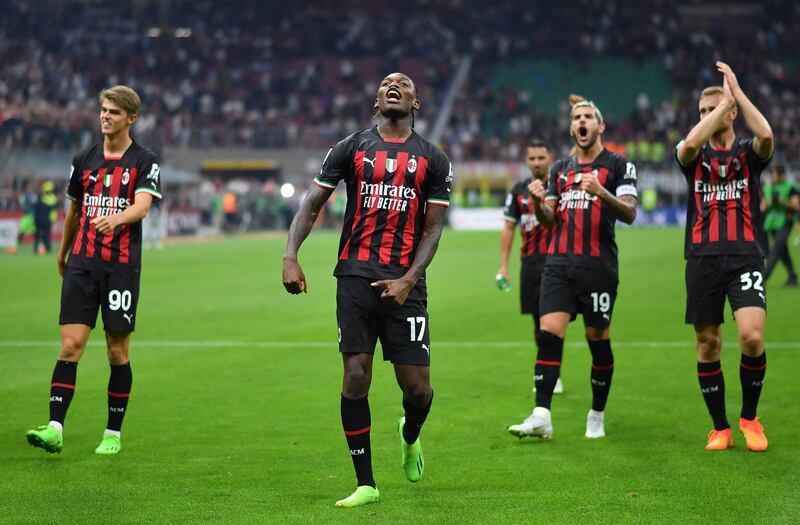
[590, 184]
[294, 280]
[536, 189]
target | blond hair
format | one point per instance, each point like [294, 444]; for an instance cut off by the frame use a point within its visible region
[712, 90]
[124, 97]
[588, 104]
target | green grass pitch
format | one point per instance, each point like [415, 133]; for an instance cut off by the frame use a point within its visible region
[234, 416]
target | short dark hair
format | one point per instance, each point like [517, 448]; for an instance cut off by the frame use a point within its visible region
[779, 169]
[538, 143]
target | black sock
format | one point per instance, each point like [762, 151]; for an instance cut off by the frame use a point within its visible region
[548, 366]
[602, 371]
[415, 417]
[712, 384]
[62, 388]
[751, 374]
[119, 390]
[356, 424]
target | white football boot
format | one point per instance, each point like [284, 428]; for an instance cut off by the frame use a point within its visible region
[595, 424]
[538, 424]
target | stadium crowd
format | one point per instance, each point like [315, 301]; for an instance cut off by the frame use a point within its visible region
[272, 74]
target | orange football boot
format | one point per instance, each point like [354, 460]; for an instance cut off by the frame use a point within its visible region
[719, 440]
[753, 434]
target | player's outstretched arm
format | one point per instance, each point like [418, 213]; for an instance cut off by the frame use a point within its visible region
[396, 290]
[293, 278]
[764, 142]
[70, 227]
[136, 212]
[689, 147]
[506, 241]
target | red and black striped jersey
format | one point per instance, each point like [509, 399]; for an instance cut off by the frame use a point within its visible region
[389, 185]
[723, 213]
[584, 225]
[105, 186]
[519, 210]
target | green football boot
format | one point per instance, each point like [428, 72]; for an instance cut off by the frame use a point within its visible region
[46, 437]
[109, 445]
[364, 495]
[413, 462]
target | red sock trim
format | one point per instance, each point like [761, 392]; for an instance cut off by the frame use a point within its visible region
[62, 385]
[707, 374]
[357, 432]
[548, 363]
[753, 368]
[114, 394]
[602, 368]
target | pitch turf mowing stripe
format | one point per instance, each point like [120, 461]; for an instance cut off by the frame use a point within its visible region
[791, 345]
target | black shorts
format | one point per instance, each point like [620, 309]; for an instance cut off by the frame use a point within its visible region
[364, 319]
[115, 293]
[587, 290]
[530, 277]
[710, 279]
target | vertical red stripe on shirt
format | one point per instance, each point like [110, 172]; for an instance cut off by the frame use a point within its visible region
[597, 216]
[521, 204]
[372, 212]
[697, 229]
[413, 210]
[387, 239]
[563, 228]
[748, 216]
[97, 191]
[577, 234]
[730, 206]
[713, 204]
[76, 248]
[358, 161]
[125, 233]
[108, 238]
[534, 234]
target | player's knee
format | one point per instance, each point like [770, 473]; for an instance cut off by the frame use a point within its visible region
[356, 381]
[751, 341]
[708, 346]
[71, 348]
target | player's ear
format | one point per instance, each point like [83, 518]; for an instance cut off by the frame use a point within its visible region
[376, 103]
[602, 127]
[416, 104]
[131, 119]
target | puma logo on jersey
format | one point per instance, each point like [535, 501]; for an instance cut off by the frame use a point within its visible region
[129, 317]
[370, 161]
[92, 179]
[425, 347]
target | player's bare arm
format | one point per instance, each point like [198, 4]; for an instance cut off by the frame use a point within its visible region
[395, 291]
[506, 241]
[71, 220]
[293, 278]
[763, 144]
[544, 209]
[689, 148]
[624, 207]
[135, 213]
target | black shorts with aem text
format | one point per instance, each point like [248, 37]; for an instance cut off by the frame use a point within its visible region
[712, 278]
[587, 290]
[115, 293]
[530, 277]
[364, 319]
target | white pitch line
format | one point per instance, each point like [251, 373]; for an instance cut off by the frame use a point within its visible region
[688, 344]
